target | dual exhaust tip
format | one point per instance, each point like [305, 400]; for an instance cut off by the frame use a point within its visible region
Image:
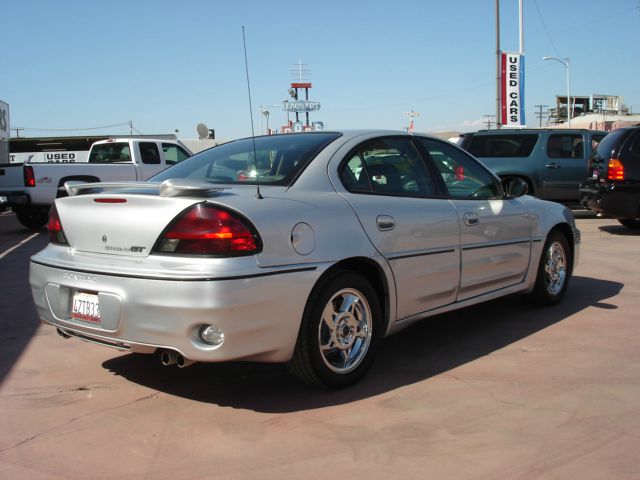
[167, 357]
[170, 357]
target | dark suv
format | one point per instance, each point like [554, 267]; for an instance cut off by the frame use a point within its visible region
[553, 162]
[613, 184]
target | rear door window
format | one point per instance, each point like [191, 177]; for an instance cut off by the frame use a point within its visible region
[387, 166]
[149, 153]
[565, 145]
[173, 153]
[505, 145]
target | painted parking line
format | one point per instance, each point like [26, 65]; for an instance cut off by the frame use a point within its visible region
[11, 249]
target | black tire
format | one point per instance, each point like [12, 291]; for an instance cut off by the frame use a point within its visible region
[554, 270]
[33, 218]
[350, 342]
[630, 223]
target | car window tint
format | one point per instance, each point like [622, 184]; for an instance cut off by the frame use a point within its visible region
[635, 145]
[149, 153]
[387, 166]
[463, 176]
[565, 146]
[354, 176]
[608, 143]
[110, 153]
[595, 140]
[173, 153]
[507, 145]
[276, 159]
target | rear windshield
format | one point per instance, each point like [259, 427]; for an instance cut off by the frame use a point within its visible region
[110, 153]
[275, 160]
[507, 145]
[608, 143]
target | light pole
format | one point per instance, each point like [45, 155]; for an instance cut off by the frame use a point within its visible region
[264, 110]
[565, 63]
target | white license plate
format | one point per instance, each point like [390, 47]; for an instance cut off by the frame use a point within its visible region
[85, 307]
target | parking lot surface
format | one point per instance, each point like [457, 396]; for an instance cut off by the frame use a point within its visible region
[501, 390]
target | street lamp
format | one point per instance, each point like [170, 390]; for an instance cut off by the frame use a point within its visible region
[565, 63]
[264, 110]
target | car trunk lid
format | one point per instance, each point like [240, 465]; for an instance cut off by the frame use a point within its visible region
[118, 224]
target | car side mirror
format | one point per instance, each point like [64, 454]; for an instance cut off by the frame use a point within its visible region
[514, 187]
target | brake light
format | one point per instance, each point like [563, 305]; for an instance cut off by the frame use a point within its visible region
[29, 177]
[615, 170]
[110, 200]
[56, 233]
[209, 230]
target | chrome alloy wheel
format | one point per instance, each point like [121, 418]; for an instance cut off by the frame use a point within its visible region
[555, 268]
[345, 332]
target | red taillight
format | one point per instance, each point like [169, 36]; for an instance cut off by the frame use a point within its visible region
[56, 234]
[110, 200]
[29, 177]
[615, 170]
[209, 230]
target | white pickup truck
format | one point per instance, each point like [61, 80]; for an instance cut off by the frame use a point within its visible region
[31, 188]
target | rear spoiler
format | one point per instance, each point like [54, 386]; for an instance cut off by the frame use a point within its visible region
[174, 187]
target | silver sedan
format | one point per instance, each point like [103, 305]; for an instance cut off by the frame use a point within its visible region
[304, 248]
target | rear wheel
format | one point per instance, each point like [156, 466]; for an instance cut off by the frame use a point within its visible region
[630, 223]
[340, 332]
[554, 271]
[33, 218]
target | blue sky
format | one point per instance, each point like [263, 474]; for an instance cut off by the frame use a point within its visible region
[165, 65]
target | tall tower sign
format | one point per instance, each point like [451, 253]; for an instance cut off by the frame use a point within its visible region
[299, 105]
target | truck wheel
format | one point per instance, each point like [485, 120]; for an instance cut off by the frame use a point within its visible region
[33, 218]
[630, 223]
[554, 271]
[340, 332]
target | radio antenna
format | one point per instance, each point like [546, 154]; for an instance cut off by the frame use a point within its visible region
[253, 134]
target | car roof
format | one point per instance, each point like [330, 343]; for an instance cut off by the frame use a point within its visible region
[517, 131]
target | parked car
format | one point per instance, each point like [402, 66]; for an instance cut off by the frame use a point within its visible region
[343, 238]
[553, 162]
[31, 188]
[613, 184]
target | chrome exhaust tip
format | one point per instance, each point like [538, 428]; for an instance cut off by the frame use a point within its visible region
[183, 362]
[168, 357]
[62, 333]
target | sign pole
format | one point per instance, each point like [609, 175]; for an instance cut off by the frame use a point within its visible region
[498, 67]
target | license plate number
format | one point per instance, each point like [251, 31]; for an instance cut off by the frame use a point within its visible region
[86, 307]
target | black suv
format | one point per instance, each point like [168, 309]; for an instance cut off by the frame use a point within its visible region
[613, 184]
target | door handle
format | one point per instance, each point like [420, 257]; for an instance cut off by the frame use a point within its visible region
[385, 222]
[552, 165]
[471, 219]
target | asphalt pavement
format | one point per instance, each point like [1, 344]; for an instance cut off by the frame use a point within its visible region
[503, 390]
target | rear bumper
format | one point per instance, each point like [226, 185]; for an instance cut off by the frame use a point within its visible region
[259, 314]
[616, 200]
[15, 199]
